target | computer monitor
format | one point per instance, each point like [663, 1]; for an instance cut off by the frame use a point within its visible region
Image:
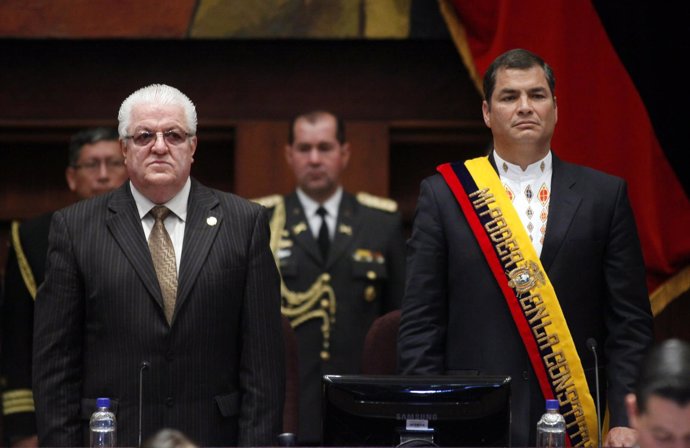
[392, 410]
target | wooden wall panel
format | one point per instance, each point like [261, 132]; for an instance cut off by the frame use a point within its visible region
[369, 166]
[238, 79]
[260, 167]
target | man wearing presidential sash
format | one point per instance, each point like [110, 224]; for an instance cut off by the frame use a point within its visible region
[517, 259]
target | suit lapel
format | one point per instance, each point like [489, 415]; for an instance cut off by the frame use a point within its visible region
[298, 226]
[562, 208]
[204, 218]
[343, 230]
[125, 226]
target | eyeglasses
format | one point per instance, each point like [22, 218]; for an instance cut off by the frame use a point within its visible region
[172, 137]
[95, 165]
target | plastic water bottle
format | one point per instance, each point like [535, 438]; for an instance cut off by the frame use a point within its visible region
[103, 426]
[551, 427]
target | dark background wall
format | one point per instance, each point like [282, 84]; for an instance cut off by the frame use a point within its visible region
[410, 97]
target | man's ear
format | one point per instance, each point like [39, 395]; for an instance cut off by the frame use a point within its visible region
[633, 410]
[71, 177]
[123, 148]
[345, 148]
[288, 154]
[485, 113]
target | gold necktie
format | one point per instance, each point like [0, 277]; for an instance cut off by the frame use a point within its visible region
[163, 254]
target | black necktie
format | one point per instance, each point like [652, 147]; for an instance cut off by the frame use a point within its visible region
[324, 239]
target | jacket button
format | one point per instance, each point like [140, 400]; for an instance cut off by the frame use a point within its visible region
[169, 402]
[525, 375]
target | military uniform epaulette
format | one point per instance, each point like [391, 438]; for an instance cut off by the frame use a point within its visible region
[269, 201]
[377, 202]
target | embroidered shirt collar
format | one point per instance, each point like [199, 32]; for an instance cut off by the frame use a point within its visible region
[533, 171]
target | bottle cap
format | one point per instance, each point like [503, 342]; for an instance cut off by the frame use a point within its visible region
[102, 402]
[552, 405]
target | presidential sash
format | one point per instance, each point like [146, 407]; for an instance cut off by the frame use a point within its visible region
[528, 292]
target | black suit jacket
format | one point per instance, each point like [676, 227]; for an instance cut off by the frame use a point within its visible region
[17, 315]
[363, 288]
[454, 317]
[216, 373]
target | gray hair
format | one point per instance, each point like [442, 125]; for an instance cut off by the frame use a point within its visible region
[156, 94]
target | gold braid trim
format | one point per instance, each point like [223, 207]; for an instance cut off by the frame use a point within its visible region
[669, 291]
[377, 202]
[277, 225]
[16, 401]
[318, 302]
[24, 267]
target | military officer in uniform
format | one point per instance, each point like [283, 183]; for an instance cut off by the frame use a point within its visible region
[341, 258]
[95, 166]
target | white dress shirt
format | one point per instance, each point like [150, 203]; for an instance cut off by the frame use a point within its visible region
[174, 223]
[331, 205]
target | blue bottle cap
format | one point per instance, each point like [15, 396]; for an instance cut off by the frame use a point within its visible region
[552, 405]
[102, 402]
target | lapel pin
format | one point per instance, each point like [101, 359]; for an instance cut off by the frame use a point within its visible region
[211, 220]
[344, 228]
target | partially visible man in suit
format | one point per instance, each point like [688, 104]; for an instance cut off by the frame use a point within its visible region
[341, 258]
[517, 259]
[659, 409]
[95, 166]
[166, 277]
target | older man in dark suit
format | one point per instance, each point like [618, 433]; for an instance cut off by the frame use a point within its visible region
[516, 260]
[167, 272]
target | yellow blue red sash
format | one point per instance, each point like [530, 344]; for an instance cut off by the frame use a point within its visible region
[528, 292]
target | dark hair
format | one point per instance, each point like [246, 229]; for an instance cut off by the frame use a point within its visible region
[520, 59]
[88, 136]
[314, 116]
[665, 372]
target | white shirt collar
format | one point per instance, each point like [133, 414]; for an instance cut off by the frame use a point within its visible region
[310, 206]
[533, 171]
[177, 205]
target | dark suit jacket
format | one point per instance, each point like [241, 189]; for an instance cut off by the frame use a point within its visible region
[216, 374]
[372, 230]
[454, 317]
[17, 315]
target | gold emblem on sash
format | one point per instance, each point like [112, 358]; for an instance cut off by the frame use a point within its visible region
[527, 277]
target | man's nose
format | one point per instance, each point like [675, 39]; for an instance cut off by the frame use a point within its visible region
[524, 103]
[159, 143]
[103, 169]
[314, 155]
